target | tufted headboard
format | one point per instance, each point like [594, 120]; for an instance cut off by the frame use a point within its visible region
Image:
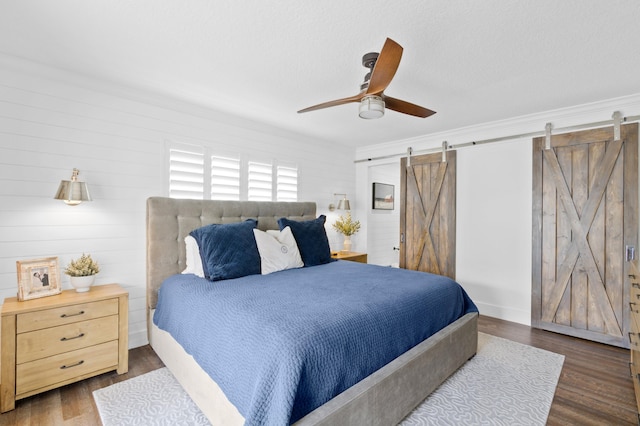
[169, 220]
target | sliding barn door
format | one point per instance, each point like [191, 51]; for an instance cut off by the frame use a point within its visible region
[585, 202]
[428, 214]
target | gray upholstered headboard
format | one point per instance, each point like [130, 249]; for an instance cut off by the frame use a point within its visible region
[170, 220]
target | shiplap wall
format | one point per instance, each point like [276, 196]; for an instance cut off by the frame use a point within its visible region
[52, 121]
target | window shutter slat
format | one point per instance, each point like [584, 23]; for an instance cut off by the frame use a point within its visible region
[287, 184]
[225, 178]
[186, 172]
[259, 182]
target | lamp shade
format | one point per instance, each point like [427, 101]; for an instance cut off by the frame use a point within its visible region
[344, 204]
[73, 192]
[371, 107]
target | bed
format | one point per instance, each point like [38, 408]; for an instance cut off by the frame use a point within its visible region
[383, 397]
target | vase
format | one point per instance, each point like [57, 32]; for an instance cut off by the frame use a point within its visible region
[82, 284]
[347, 244]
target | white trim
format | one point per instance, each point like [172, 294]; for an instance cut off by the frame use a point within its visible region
[564, 117]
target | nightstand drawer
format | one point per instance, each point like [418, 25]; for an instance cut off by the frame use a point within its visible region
[65, 315]
[52, 341]
[49, 371]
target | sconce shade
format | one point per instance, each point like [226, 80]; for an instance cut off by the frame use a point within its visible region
[344, 204]
[73, 192]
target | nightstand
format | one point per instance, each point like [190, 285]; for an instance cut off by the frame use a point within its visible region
[352, 256]
[57, 340]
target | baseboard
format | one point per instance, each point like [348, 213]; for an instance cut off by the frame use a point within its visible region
[504, 313]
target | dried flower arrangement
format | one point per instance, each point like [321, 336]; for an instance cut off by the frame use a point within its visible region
[82, 267]
[346, 225]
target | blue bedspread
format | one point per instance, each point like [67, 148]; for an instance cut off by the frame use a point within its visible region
[281, 345]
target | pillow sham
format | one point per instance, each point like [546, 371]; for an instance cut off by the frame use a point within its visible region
[194, 262]
[311, 238]
[278, 251]
[228, 250]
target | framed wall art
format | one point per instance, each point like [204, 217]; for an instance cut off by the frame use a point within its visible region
[38, 278]
[382, 196]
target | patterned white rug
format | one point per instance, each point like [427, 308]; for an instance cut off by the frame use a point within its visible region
[506, 383]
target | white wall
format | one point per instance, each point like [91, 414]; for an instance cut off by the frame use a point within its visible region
[383, 226]
[52, 121]
[494, 184]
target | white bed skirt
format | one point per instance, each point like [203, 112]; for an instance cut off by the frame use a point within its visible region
[201, 388]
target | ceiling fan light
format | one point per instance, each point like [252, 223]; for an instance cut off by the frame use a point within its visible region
[371, 107]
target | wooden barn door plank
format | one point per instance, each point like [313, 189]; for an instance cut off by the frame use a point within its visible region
[585, 201]
[427, 210]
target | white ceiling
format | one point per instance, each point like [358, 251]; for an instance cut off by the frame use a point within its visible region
[471, 61]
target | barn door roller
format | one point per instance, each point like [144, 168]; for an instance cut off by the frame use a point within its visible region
[617, 119]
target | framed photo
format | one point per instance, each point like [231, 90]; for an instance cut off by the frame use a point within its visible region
[382, 196]
[38, 278]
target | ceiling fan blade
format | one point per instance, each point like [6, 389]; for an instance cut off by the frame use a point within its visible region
[406, 107]
[385, 68]
[337, 102]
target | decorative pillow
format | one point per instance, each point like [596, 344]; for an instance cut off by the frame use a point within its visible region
[311, 238]
[229, 250]
[277, 252]
[194, 262]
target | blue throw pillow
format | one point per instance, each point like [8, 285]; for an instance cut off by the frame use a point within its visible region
[311, 239]
[228, 250]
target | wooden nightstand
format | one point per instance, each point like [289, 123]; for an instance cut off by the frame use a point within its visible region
[352, 256]
[57, 340]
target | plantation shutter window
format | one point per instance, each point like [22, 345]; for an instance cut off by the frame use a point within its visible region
[287, 184]
[260, 182]
[225, 178]
[186, 172]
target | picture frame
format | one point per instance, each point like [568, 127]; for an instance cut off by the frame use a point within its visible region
[382, 196]
[38, 278]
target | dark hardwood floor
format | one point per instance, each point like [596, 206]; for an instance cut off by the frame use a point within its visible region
[595, 386]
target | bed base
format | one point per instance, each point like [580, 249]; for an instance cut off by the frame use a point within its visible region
[383, 398]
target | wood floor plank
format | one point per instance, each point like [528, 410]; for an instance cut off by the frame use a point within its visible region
[595, 386]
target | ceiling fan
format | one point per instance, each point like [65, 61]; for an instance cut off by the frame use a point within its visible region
[382, 68]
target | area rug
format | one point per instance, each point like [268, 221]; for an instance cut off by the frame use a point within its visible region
[506, 383]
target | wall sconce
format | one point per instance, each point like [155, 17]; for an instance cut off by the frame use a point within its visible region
[73, 192]
[343, 204]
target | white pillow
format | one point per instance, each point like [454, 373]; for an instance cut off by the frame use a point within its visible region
[194, 261]
[278, 250]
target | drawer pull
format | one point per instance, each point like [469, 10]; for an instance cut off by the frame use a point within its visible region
[64, 367]
[64, 339]
[631, 305]
[71, 315]
[636, 285]
[631, 339]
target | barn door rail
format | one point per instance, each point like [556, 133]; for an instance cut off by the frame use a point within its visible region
[616, 121]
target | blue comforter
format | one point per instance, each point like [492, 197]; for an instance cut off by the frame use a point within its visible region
[281, 345]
